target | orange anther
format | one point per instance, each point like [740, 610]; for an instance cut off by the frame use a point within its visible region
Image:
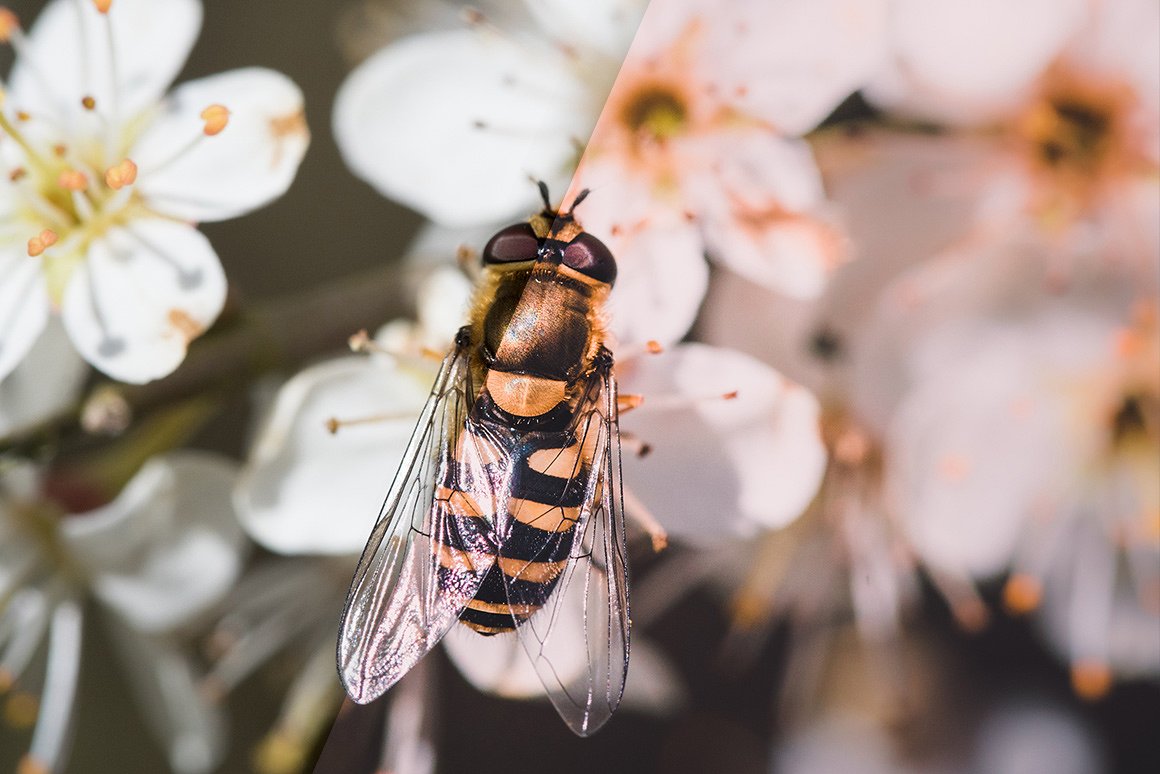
[654, 347]
[41, 242]
[17, 174]
[1022, 593]
[103, 5]
[120, 175]
[216, 117]
[1091, 678]
[88, 103]
[22, 115]
[9, 23]
[59, 149]
[73, 180]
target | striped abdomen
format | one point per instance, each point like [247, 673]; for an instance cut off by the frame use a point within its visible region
[528, 546]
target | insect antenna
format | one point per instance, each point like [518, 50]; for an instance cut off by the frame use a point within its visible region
[576, 202]
[545, 196]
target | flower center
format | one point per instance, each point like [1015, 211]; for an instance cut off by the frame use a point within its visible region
[655, 112]
[1069, 133]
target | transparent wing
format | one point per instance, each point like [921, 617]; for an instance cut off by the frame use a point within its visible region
[579, 640]
[399, 606]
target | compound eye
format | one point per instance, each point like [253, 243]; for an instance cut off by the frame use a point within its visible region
[512, 244]
[588, 255]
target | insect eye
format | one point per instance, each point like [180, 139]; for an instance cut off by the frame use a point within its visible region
[512, 244]
[588, 255]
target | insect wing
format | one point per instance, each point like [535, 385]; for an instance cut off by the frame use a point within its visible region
[579, 640]
[398, 607]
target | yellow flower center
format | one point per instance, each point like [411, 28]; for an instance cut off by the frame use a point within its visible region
[655, 112]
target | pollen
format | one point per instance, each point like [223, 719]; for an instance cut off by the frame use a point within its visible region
[17, 174]
[216, 117]
[103, 5]
[9, 23]
[41, 242]
[1091, 679]
[73, 180]
[88, 103]
[1022, 593]
[120, 175]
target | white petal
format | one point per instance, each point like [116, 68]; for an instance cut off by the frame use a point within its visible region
[147, 290]
[24, 306]
[168, 547]
[443, 303]
[791, 63]
[654, 685]
[719, 466]
[458, 124]
[69, 46]
[44, 384]
[964, 480]
[247, 165]
[662, 275]
[605, 25]
[659, 285]
[753, 203]
[190, 727]
[970, 62]
[496, 665]
[307, 491]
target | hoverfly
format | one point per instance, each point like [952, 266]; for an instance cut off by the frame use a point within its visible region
[508, 498]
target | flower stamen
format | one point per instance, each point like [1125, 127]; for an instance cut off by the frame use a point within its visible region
[121, 174]
[41, 242]
[216, 117]
[9, 24]
[73, 180]
[64, 653]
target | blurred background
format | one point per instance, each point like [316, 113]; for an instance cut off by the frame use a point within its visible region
[761, 665]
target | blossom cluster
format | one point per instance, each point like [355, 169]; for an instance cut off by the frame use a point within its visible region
[888, 299]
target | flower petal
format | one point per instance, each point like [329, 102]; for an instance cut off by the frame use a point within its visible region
[714, 459]
[792, 63]
[605, 25]
[964, 481]
[251, 162]
[662, 275]
[753, 203]
[308, 491]
[147, 290]
[970, 62]
[23, 306]
[457, 124]
[47, 381]
[71, 59]
[168, 547]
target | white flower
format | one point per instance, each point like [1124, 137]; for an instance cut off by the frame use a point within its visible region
[160, 554]
[1072, 87]
[1028, 442]
[106, 176]
[700, 138]
[696, 149]
[455, 123]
